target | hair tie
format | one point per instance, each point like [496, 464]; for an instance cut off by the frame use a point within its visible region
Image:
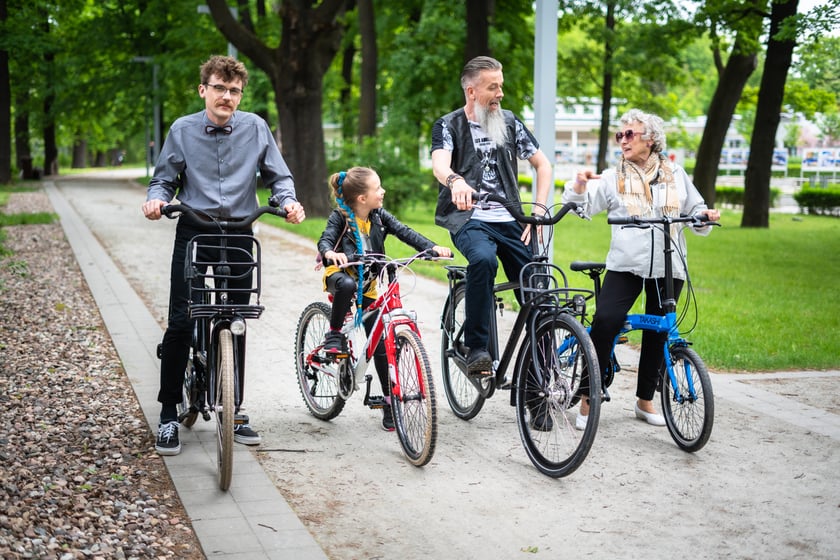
[341, 176]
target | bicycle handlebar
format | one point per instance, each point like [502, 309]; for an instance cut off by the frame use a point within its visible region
[544, 220]
[697, 220]
[171, 211]
[377, 258]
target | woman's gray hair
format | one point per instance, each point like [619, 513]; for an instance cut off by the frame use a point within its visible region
[654, 127]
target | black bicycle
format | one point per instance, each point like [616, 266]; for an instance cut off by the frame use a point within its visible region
[546, 383]
[214, 379]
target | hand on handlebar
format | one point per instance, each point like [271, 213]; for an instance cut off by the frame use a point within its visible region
[338, 259]
[710, 215]
[441, 251]
[151, 209]
[462, 195]
[294, 213]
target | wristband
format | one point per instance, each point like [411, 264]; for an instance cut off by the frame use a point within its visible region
[451, 180]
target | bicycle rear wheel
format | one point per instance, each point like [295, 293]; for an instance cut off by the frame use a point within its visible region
[545, 389]
[415, 408]
[464, 398]
[318, 377]
[225, 414]
[689, 419]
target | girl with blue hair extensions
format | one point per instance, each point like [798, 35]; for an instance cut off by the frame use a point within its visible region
[360, 225]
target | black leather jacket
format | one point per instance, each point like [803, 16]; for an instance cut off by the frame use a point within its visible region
[338, 237]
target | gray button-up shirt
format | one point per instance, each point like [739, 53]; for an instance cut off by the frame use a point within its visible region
[217, 172]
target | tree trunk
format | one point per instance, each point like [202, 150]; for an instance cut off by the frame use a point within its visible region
[729, 87]
[348, 123]
[79, 154]
[50, 146]
[767, 116]
[5, 109]
[367, 100]
[310, 38]
[22, 151]
[606, 90]
[479, 13]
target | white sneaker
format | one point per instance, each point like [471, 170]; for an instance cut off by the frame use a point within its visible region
[580, 422]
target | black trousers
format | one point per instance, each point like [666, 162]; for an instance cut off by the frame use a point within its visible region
[618, 294]
[178, 336]
[343, 286]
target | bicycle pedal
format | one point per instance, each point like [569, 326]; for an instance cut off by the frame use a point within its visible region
[376, 401]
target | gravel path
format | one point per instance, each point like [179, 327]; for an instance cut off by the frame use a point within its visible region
[79, 477]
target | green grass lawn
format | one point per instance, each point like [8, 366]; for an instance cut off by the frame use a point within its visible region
[767, 299]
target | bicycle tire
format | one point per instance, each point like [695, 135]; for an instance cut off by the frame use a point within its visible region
[689, 420]
[318, 382]
[566, 354]
[464, 398]
[415, 407]
[225, 409]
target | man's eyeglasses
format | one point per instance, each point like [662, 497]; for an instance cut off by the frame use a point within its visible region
[221, 90]
[629, 134]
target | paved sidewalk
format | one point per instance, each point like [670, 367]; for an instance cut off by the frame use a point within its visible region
[252, 520]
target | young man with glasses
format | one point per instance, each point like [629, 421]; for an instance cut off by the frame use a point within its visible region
[209, 161]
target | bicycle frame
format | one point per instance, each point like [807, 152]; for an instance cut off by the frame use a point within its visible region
[390, 315]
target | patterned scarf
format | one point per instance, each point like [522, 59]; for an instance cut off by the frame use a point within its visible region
[634, 185]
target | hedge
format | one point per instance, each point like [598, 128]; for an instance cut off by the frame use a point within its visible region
[819, 201]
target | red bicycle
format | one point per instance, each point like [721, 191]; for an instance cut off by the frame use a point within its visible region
[327, 382]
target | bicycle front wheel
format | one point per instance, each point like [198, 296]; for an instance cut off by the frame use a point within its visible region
[689, 408]
[464, 398]
[415, 409]
[317, 376]
[225, 415]
[553, 368]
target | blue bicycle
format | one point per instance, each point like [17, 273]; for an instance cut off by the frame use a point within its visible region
[686, 389]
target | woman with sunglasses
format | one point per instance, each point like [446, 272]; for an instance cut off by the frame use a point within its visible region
[644, 183]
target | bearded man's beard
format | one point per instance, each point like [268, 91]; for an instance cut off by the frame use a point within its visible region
[492, 123]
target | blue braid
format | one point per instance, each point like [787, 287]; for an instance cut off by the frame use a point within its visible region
[351, 221]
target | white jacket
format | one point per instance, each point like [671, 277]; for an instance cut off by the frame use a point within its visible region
[640, 250]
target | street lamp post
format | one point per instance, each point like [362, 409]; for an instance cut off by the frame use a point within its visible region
[151, 154]
[205, 9]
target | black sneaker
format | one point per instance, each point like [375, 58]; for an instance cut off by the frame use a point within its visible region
[335, 343]
[479, 362]
[167, 442]
[540, 419]
[388, 418]
[243, 433]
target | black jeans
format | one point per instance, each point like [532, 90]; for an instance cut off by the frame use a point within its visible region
[618, 294]
[178, 336]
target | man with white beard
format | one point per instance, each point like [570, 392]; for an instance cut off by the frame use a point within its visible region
[475, 148]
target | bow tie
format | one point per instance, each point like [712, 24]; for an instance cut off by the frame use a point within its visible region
[210, 129]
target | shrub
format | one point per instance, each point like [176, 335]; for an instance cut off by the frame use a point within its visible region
[734, 196]
[819, 201]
